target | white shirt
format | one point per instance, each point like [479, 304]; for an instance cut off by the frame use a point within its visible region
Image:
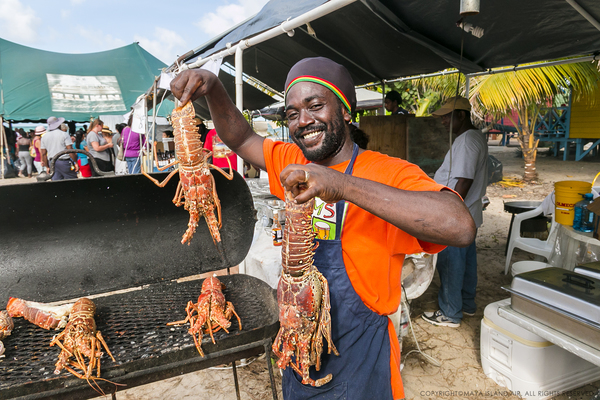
[469, 161]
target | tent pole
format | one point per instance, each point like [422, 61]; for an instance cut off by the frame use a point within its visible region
[467, 85]
[2, 146]
[383, 99]
[239, 92]
[153, 124]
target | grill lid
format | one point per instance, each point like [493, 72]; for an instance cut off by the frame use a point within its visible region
[70, 238]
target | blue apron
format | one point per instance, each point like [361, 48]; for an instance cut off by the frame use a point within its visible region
[362, 370]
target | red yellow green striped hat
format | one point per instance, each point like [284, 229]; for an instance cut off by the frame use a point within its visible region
[330, 74]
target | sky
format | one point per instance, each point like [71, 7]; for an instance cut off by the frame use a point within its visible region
[166, 29]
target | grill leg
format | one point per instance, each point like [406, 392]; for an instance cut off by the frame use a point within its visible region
[268, 358]
[235, 380]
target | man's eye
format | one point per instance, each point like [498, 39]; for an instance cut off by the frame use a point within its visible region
[292, 116]
[316, 106]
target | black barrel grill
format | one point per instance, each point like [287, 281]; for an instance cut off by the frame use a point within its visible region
[68, 239]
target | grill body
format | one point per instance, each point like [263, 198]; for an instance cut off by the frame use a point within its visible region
[70, 239]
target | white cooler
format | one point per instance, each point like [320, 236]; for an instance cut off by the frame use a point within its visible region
[527, 364]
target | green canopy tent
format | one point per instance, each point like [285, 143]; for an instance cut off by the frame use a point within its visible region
[36, 84]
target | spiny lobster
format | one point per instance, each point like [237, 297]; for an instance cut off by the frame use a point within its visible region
[196, 189]
[6, 327]
[43, 315]
[211, 313]
[303, 298]
[81, 339]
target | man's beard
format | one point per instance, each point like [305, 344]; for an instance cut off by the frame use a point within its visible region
[333, 139]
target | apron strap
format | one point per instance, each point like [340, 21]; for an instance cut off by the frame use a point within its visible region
[340, 205]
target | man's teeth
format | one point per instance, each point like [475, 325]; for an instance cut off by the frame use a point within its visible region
[312, 135]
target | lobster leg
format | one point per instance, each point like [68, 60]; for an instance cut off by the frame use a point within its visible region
[101, 339]
[164, 182]
[178, 195]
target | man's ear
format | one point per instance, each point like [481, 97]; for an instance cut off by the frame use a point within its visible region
[346, 114]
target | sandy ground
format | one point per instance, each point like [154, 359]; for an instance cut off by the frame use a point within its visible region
[456, 349]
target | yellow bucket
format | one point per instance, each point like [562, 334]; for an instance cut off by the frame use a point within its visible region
[566, 194]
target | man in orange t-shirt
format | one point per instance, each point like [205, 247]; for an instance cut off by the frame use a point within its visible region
[370, 211]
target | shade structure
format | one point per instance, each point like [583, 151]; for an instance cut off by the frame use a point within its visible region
[387, 39]
[36, 84]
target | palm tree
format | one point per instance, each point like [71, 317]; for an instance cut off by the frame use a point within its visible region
[524, 91]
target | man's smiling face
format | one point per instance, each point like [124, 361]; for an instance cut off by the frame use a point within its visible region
[316, 121]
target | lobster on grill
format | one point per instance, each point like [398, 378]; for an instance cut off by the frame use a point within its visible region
[303, 298]
[80, 339]
[43, 315]
[196, 189]
[210, 314]
[6, 327]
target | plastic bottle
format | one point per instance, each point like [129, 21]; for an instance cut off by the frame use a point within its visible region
[583, 220]
[277, 231]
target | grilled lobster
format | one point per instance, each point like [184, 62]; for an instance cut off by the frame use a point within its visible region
[303, 298]
[80, 339]
[43, 315]
[6, 327]
[196, 189]
[210, 314]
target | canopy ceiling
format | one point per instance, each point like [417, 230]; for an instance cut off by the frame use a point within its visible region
[36, 84]
[387, 39]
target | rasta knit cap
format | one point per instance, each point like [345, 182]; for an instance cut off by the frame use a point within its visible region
[330, 74]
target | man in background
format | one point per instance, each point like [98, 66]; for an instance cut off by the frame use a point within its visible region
[392, 103]
[54, 141]
[467, 175]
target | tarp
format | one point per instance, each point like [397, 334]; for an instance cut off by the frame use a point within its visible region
[36, 84]
[387, 39]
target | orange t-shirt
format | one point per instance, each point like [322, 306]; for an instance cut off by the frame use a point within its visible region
[373, 249]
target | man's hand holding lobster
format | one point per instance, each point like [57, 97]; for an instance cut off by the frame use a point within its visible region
[312, 180]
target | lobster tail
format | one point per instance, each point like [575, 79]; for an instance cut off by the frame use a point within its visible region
[297, 252]
[43, 315]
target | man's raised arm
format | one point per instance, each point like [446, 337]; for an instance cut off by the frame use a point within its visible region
[232, 127]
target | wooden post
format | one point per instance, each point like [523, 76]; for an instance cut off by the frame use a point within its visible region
[2, 142]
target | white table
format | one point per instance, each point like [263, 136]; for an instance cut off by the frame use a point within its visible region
[573, 248]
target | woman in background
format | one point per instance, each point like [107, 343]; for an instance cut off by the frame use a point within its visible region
[82, 159]
[24, 143]
[99, 147]
[132, 143]
[37, 161]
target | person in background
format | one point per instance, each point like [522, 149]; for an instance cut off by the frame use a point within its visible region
[220, 151]
[24, 143]
[82, 159]
[120, 165]
[99, 147]
[53, 142]
[37, 161]
[132, 143]
[392, 101]
[468, 175]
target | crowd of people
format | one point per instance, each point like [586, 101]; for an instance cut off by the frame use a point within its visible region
[33, 151]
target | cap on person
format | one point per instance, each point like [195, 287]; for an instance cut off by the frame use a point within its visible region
[330, 74]
[106, 130]
[40, 130]
[54, 123]
[453, 103]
